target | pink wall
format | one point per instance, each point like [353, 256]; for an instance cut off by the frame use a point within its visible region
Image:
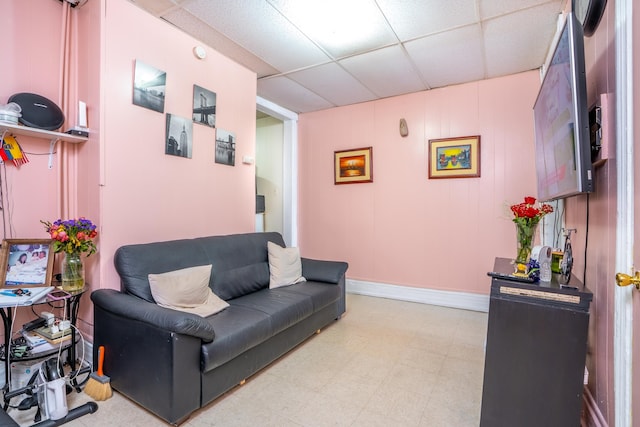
[147, 195]
[121, 177]
[404, 228]
[33, 187]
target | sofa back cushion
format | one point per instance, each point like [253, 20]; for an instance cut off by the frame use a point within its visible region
[239, 262]
[134, 263]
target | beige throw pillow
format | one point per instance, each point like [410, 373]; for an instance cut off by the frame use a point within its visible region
[186, 290]
[285, 267]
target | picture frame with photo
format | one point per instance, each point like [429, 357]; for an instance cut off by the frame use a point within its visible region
[26, 263]
[225, 147]
[179, 136]
[353, 166]
[454, 157]
[149, 86]
[204, 106]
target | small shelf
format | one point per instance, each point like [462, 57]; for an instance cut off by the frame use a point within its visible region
[41, 133]
[29, 355]
[53, 137]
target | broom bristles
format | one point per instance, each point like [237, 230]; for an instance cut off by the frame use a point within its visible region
[98, 387]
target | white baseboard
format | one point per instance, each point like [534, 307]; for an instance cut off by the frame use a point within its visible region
[463, 300]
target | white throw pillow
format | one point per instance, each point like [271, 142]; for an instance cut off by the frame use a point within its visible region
[285, 267]
[186, 290]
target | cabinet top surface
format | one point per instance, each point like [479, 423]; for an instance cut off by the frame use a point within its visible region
[556, 285]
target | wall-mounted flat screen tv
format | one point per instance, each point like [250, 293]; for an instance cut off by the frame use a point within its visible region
[561, 119]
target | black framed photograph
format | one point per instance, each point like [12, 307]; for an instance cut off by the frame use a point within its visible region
[149, 85]
[204, 106]
[179, 136]
[26, 263]
[225, 147]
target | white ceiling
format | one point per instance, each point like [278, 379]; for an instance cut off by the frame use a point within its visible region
[379, 49]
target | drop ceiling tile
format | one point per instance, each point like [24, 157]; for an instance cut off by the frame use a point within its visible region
[155, 7]
[530, 35]
[258, 27]
[449, 58]
[411, 19]
[385, 72]
[218, 41]
[341, 27]
[333, 83]
[291, 95]
[493, 8]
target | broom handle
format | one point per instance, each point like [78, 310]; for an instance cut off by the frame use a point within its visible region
[100, 360]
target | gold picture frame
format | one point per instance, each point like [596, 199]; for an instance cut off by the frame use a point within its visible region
[353, 166]
[454, 157]
[26, 263]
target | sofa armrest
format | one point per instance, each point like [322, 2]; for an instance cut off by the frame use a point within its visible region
[323, 271]
[134, 308]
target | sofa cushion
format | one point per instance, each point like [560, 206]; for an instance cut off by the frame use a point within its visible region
[321, 294]
[283, 308]
[240, 262]
[134, 263]
[237, 330]
[250, 320]
[186, 290]
[285, 267]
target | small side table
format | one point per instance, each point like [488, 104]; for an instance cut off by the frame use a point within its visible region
[72, 305]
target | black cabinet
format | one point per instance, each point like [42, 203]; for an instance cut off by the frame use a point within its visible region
[535, 352]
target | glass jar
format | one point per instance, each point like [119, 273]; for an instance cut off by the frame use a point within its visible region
[72, 275]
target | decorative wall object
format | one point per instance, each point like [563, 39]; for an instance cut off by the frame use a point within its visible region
[179, 139]
[353, 166]
[225, 147]
[26, 263]
[149, 85]
[204, 106]
[454, 157]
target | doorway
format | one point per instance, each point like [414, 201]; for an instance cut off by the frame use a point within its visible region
[269, 177]
[288, 168]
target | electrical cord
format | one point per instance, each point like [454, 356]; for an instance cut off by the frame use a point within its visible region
[7, 351]
[586, 243]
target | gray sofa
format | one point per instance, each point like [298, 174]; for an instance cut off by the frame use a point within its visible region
[173, 363]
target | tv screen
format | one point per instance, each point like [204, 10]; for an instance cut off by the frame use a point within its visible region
[561, 119]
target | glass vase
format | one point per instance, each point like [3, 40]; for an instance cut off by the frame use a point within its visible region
[72, 272]
[525, 235]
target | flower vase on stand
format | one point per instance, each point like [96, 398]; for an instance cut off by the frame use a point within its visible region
[73, 237]
[526, 216]
[72, 272]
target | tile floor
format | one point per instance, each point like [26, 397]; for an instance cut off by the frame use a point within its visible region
[385, 363]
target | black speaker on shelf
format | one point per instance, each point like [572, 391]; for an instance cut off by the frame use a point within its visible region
[38, 111]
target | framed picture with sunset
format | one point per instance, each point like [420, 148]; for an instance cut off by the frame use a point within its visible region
[353, 166]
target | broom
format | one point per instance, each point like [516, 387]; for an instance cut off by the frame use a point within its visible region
[98, 386]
